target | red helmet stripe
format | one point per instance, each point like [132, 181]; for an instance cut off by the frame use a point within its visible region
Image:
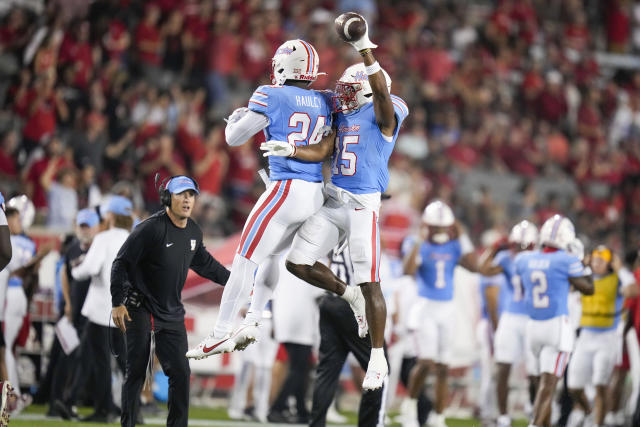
[310, 59]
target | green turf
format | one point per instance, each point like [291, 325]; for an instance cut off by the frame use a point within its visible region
[200, 413]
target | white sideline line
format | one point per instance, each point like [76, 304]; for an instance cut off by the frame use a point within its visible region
[192, 422]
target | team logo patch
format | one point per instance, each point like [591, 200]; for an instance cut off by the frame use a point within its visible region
[284, 50]
[193, 244]
[360, 76]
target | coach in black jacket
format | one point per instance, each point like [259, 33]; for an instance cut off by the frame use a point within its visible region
[147, 278]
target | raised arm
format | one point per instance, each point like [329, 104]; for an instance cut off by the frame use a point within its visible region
[382, 104]
[583, 284]
[412, 260]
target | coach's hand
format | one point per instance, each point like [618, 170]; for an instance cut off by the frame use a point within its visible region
[119, 315]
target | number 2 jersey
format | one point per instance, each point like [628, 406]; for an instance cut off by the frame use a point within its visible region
[297, 116]
[545, 277]
[362, 152]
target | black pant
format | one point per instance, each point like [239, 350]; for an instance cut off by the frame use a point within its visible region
[295, 384]
[338, 337]
[424, 404]
[96, 346]
[171, 346]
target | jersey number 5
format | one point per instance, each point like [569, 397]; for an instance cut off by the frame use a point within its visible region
[540, 287]
[344, 155]
[303, 119]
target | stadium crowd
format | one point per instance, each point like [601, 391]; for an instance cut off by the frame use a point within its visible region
[109, 92]
[513, 114]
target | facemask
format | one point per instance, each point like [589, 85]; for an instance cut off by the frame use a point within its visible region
[440, 238]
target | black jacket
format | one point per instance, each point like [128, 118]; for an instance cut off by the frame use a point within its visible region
[155, 260]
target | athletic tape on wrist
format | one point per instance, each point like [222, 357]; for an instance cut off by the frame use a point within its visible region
[373, 68]
[295, 149]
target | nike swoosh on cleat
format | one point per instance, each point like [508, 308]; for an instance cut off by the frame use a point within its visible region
[169, 244]
[206, 349]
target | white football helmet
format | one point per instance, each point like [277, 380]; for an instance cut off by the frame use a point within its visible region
[576, 247]
[294, 60]
[438, 214]
[25, 208]
[557, 232]
[353, 89]
[524, 234]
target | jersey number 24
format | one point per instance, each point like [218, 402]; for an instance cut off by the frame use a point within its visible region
[303, 119]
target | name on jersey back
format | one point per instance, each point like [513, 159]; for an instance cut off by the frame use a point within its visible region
[308, 101]
[538, 264]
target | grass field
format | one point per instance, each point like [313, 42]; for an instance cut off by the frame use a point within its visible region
[33, 416]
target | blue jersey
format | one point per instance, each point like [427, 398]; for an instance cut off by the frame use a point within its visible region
[514, 292]
[297, 116]
[503, 296]
[359, 162]
[545, 277]
[435, 273]
[23, 249]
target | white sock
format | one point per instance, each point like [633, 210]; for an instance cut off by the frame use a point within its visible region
[377, 356]
[350, 294]
[266, 280]
[235, 294]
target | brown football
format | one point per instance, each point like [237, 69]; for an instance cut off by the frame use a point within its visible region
[350, 26]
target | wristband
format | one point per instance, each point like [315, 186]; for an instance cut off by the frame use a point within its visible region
[364, 52]
[295, 150]
[587, 271]
[373, 68]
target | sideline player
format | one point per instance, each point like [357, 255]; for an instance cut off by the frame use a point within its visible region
[599, 345]
[547, 276]
[434, 261]
[510, 340]
[288, 111]
[367, 124]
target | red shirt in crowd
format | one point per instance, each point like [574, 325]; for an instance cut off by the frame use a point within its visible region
[224, 53]
[551, 106]
[42, 121]
[145, 34]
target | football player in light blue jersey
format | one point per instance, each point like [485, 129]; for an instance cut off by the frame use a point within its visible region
[510, 344]
[366, 127]
[21, 277]
[287, 110]
[431, 320]
[547, 276]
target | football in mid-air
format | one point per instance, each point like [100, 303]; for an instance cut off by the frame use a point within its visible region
[350, 26]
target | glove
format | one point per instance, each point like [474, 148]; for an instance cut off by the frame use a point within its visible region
[363, 42]
[237, 114]
[277, 148]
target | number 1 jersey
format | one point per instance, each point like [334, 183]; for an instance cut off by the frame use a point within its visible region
[297, 116]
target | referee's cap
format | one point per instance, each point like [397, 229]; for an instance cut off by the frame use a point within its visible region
[181, 183]
[119, 205]
[87, 217]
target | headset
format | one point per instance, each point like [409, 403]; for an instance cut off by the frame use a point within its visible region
[164, 193]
